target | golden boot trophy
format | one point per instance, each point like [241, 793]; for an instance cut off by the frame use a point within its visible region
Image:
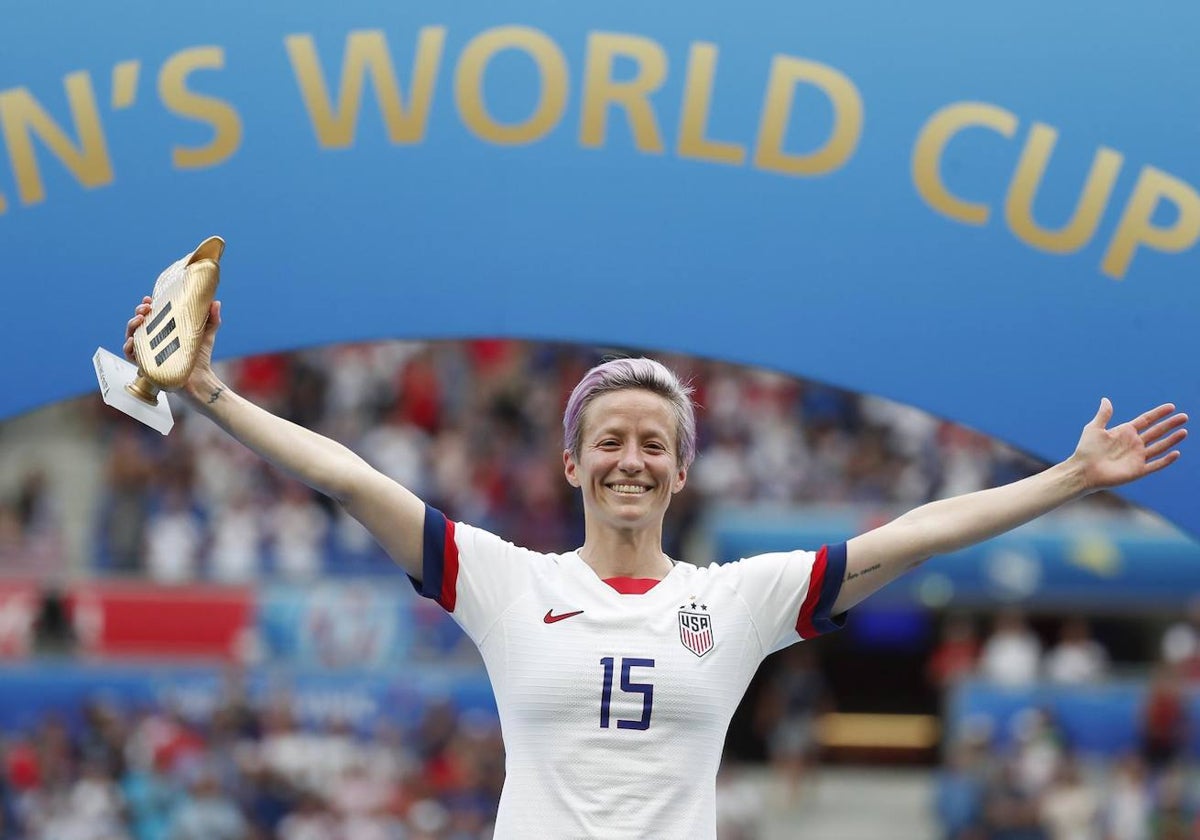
[167, 342]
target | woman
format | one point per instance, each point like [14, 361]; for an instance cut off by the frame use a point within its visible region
[616, 669]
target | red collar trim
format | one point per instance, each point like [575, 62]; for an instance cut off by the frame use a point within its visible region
[632, 586]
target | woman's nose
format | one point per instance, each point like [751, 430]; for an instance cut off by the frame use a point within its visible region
[631, 459]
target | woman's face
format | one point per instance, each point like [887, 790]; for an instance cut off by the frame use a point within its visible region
[628, 464]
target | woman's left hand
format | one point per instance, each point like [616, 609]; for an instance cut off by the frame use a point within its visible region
[1111, 457]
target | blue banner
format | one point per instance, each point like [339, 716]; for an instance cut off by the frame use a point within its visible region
[1097, 563]
[987, 212]
[335, 624]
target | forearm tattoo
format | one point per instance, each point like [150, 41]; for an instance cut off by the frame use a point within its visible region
[867, 571]
[216, 395]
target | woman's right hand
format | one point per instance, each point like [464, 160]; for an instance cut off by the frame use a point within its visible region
[140, 314]
[202, 375]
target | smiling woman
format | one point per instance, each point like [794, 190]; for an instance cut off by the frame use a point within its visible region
[629, 437]
[616, 668]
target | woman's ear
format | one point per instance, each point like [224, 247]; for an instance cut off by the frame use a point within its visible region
[569, 468]
[680, 480]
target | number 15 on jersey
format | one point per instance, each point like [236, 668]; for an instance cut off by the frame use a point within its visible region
[628, 686]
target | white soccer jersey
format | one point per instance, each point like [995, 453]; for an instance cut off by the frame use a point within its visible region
[614, 706]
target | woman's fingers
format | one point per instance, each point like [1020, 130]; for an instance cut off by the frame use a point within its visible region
[1165, 427]
[139, 315]
[1165, 444]
[1148, 419]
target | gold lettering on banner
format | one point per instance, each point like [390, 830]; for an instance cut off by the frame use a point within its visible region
[697, 102]
[1136, 228]
[217, 113]
[932, 140]
[786, 73]
[22, 118]
[367, 54]
[124, 84]
[1018, 206]
[468, 84]
[633, 96]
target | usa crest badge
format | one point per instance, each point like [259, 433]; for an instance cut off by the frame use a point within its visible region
[695, 629]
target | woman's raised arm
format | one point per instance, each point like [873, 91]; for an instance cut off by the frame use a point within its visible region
[392, 514]
[1103, 458]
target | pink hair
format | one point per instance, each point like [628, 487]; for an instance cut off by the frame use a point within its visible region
[646, 374]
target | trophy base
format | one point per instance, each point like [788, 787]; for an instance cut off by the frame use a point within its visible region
[115, 375]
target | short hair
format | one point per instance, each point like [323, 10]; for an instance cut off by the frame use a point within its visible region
[642, 373]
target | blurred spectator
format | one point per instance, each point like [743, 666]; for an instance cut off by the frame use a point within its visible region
[398, 451]
[311, 820]
[1078, 658]
[236, 544]
[22, 766]
[1012, 654]
[960, 790]
[54, 634]
[40, 523]
[722, 472]
[428, 820]
[955, 657]
[95, 807]
[357, 792]
[1128, 805]
[266, 798]
[207, 812]
[966, 459]
[286, 749]
[1039, 751]
[173, 540]
[129, 474]
[8, 820]
[1010, 811]
[1175, 816]
[31, 540]
[103, 737]
[1164, 726]
[335, 748]
[1181, 643]
[11, 538]
[298, 526]
[151, 798]
[165, 741]
[1070, 806]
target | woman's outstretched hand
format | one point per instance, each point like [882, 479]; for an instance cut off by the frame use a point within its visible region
[1124, 453]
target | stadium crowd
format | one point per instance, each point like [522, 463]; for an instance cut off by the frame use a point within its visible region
[1031, 782]
[246, 772]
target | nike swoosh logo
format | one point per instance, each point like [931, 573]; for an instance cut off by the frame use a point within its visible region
[551, 617]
